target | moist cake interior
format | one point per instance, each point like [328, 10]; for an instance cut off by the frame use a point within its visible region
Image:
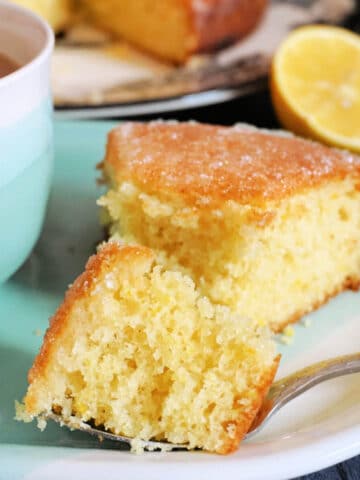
[135, 349]
[266, 225]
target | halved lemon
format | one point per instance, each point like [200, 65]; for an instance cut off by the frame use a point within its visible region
[315, 84]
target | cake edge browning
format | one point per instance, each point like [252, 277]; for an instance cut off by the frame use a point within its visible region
[312, 164]
[107, 254]
[216, 24]
[243, 425]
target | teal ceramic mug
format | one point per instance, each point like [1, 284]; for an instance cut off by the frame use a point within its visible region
[26, 137]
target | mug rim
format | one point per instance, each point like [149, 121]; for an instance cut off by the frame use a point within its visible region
[45, 51]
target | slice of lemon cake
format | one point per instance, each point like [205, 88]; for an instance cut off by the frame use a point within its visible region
[267, 224]
[135, 349]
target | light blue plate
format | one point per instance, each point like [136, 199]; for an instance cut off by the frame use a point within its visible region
[70, 234]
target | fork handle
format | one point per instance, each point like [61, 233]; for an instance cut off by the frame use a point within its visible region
[299, 382]
[290, 387]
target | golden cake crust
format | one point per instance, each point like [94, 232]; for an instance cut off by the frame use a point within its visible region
[243, 425]
[207, 165]
[103, 260]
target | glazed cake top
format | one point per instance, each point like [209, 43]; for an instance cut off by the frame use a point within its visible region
[208, 164]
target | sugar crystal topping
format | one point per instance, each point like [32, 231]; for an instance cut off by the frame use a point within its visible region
[222, 163]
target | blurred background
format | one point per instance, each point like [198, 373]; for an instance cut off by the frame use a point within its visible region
[116, 59]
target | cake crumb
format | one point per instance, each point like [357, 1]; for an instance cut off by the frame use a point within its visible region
[286, 340]
[306, 322]
[41, 423]
[289, 331]
[20, 413]
[137, 446]
[287, 335]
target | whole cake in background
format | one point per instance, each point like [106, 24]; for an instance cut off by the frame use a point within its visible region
[266, 224]
[171, 29]
[137, 351]
[175, 29]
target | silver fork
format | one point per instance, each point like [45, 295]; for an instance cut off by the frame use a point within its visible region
[281, 392]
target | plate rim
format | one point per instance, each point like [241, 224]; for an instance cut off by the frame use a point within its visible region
[166, 105]
[289, 464]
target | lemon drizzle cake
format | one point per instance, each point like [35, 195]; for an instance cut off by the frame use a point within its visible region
[174, 29]
[267, 224]
[136, 350]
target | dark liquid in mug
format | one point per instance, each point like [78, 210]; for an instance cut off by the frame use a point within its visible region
[7, 65]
